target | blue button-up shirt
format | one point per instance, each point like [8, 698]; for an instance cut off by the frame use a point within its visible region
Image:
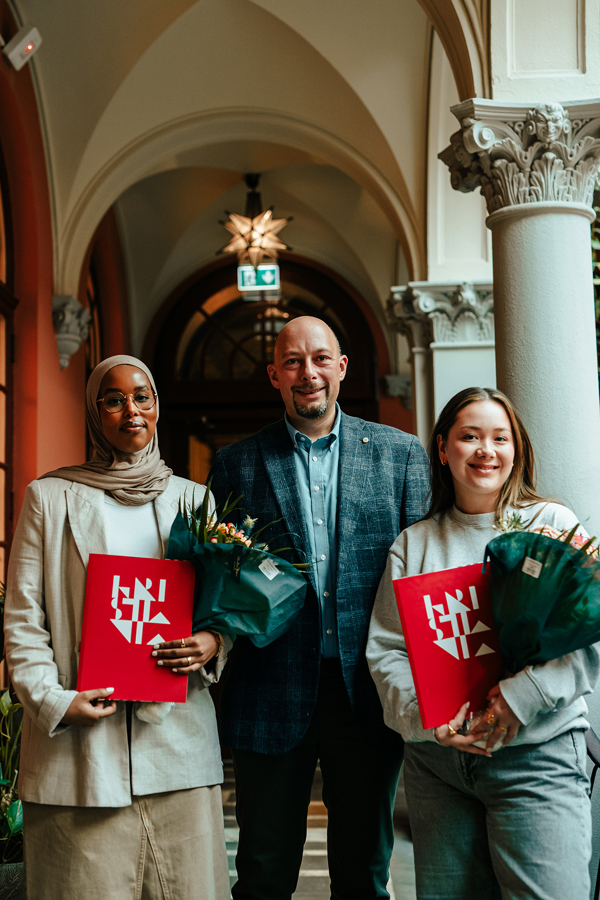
[317, 465]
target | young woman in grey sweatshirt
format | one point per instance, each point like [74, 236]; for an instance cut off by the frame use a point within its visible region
[513, 824]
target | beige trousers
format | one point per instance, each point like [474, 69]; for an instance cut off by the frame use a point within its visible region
[167, 846]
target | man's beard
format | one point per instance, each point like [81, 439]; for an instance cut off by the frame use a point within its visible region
[314, 412]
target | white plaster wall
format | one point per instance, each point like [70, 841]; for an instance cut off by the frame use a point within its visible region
[458, 242]
[456, 367]
[545, 50]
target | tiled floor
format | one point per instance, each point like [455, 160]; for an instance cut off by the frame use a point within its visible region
[314, 878]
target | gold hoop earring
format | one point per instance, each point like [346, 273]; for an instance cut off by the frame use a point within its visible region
[444, 462]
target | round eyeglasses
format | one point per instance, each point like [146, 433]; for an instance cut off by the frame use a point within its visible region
[115, 401]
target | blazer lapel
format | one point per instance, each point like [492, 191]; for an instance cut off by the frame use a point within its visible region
[85, 509]
[278, 457]
[166, 507]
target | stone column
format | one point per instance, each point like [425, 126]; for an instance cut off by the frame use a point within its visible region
[537, 169]
[450, 330]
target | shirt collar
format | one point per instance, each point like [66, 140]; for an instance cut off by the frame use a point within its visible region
[299, 438]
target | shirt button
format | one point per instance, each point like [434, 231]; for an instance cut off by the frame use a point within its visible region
[365, 440]
[316, 487]
[323, 556]
[319, 521]
[314, 458]
[326, 594]
[329, 631]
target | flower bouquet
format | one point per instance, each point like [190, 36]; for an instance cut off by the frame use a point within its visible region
[545, 596]
[545, 587]
[241, 588]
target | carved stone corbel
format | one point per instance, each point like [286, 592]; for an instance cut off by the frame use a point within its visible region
[71, 323]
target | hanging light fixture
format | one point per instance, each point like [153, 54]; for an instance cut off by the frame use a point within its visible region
[255, 233]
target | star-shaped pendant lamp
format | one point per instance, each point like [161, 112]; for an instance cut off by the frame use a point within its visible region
[255, 233]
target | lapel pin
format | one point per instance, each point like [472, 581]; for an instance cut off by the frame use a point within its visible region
[365, 440]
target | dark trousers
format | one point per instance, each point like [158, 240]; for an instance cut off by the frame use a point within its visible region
[273, 793]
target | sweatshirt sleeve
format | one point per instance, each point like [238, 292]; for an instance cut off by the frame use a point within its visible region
[552, 685]
[387, 656]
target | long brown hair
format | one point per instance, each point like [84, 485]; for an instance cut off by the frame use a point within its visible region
[518, 490]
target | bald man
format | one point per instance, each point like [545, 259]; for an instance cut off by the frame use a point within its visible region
[345, 488]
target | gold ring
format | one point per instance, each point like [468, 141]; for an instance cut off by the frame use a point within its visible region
[502, 728]
[451, 730]
[183, 642]
[189, 659]
[491, 718]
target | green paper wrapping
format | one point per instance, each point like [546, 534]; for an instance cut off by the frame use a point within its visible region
[544, 617]
[233, 593]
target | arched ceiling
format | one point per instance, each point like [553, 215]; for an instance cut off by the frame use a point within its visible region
[159, 109]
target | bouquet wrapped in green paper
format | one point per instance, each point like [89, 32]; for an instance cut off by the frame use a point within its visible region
[545, 589]
[241, 588]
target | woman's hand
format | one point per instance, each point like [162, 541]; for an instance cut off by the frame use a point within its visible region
[447, 736]
[87, 708]
[501, 715]
[187, 655]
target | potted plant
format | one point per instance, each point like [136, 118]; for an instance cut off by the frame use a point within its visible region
[11, 812]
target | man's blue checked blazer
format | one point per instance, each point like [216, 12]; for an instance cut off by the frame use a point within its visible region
[269, 694]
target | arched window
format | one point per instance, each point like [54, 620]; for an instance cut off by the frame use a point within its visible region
[93, 344]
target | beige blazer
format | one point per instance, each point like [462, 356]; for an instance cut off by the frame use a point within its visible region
[60, 524]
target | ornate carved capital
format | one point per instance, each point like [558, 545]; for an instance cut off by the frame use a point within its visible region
[71, 323]
[442, 313]
[519, 154]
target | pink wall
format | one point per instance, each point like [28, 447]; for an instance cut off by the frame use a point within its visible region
[48, 421]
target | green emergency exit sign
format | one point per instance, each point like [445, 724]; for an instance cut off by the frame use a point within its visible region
[264, 278]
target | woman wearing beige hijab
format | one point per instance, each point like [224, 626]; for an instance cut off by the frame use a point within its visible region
[120, 800]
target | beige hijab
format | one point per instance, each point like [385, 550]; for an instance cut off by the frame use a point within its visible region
[131, 478]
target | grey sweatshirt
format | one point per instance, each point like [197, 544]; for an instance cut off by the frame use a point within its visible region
[547, 698]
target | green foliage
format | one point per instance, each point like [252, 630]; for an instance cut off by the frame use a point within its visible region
[212, 527]
[11, 808]
[596, 271]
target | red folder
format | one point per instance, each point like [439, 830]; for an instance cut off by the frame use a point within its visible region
[132, 603]
[451, 640]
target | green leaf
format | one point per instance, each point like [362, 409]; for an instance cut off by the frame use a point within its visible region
[5, 703]
[14, 817]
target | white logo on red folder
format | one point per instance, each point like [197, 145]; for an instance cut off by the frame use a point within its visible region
[455, 617]
[140, 612]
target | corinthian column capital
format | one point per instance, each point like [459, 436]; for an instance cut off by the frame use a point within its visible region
[442, 313]
[525, 154]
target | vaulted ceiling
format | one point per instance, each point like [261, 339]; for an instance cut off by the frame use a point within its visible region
[158, 109]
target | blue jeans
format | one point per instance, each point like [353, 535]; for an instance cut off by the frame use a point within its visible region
[515, 826]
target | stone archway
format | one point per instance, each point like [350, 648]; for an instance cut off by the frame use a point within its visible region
[463, 30]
